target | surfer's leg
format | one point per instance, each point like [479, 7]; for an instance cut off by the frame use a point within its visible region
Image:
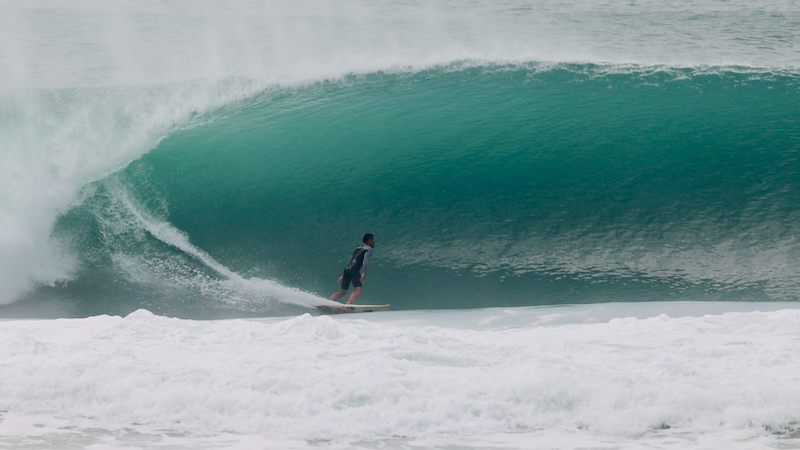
[338, 295]
[344, 284]
[354, 295]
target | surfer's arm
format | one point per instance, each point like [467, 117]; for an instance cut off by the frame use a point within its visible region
[366, 263]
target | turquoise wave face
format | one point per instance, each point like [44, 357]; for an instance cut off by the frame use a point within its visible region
[488, 186]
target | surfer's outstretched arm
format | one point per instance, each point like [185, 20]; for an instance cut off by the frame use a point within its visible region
[366, 260]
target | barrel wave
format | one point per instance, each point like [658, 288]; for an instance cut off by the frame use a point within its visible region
[486, 185]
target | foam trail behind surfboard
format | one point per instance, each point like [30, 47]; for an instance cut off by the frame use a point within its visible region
[168, 234]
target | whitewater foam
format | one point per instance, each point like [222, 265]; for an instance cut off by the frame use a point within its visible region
[233, 289]
[344, 381]
[54, 142]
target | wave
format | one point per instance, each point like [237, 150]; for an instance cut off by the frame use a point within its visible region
[89, 89]
[486, 186]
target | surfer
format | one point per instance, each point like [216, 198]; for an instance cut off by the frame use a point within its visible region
[352, 273]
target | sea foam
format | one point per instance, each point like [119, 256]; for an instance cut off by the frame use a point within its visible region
[346, 380]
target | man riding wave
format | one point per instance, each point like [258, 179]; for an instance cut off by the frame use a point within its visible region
[352, 272]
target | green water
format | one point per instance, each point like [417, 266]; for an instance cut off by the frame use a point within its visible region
[489, 186]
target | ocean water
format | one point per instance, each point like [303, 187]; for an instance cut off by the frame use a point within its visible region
[586, 217]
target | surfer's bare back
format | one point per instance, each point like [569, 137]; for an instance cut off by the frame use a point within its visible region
[352, 272]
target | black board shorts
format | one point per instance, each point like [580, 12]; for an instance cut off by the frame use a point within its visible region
[349, 276]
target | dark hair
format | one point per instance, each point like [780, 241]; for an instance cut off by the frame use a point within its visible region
[367, 237]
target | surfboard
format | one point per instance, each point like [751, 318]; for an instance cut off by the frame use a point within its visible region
[352, 309]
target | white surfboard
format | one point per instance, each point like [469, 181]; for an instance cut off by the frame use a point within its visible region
[342, 309]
